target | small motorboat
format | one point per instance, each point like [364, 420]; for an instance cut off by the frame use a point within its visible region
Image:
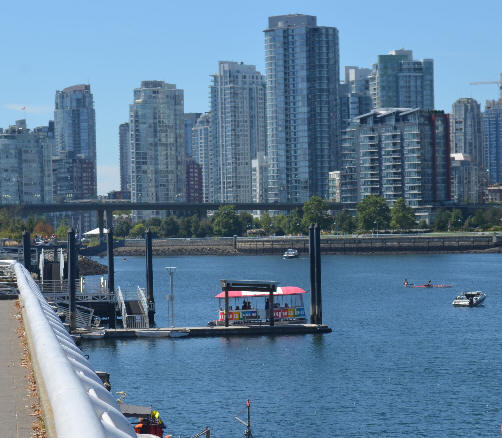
[469, 299]
[92, 334]
[290, 253]
[162, 333]
[181, 333]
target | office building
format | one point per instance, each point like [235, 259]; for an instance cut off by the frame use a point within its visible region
[399, 81]
[397, 153]
[259, 177]
[303, 114]
[21, 166]
[204, 154]
[158, 168]
[189, 120]
[237, 127]
[125, 157]
[355, 97]
[467, 154]
[194, 182]
[492, 131]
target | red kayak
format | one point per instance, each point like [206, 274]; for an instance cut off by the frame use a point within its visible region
[428, 285]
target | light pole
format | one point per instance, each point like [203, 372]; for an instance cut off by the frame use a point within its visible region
[170, 296]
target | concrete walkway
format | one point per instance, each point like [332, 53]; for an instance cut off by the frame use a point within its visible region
[15, 418]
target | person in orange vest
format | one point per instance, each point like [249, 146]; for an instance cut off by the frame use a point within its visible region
[139, 428]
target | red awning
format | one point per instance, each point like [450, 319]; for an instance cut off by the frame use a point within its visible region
[285, 290]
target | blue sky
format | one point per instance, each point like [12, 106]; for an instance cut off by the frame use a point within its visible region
[114, 45]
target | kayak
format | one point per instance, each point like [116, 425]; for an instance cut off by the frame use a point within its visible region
[429, 286]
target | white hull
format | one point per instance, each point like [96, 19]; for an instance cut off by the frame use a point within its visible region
[93, 335]
[161, 333]
[469, 299]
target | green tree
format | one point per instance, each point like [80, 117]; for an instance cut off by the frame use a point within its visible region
[138, 230]
[402, 216]
[441, 221]
[266, 223]
[373, 213]
[294, 222]
[280, 225]
[185, 229]
[62, 229]
[315, 211]
[226, 222]
[122, 228]
[345, 222]
[246, 220]
[169, 227]
[456, 220]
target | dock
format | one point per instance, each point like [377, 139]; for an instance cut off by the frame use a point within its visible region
[234, 330]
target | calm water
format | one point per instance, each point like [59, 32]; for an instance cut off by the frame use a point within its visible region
[399, 361]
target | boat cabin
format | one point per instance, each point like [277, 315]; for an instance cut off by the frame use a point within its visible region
[251, 303]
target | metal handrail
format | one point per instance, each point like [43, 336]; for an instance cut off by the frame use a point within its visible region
[81, 407]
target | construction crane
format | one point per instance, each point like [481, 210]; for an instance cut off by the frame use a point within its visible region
[499, 83]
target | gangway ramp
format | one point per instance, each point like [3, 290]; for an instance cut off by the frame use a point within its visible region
[133, 308]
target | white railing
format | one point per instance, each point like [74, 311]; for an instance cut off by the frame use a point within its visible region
[81, 407]
[121, 303]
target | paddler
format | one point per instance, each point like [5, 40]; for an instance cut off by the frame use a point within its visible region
[405, 282]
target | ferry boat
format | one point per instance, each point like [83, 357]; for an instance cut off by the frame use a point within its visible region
[251, 308]
[290, 253]
[469, 299]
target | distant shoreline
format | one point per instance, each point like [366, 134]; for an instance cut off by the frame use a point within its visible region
[428, 244]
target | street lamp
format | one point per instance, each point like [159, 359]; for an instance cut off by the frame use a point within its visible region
[376, 225]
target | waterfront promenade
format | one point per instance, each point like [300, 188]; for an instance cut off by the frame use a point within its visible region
[15, 411]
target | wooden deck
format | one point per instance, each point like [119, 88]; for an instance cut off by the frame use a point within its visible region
[206, 332]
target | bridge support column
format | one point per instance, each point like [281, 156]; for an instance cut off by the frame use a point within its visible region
[109, 218]
[101, 220]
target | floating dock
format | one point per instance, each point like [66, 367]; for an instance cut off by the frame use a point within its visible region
[219, 331]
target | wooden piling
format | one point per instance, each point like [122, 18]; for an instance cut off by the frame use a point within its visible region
[313, 299]
[149, 278]
[271, 307]
[101, 225]
[226, 305]
[318, 299]
[72, 271]
[111, 265]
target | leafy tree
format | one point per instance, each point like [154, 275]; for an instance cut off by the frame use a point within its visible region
[315, 211]
[122, 228]
[294, 222]
[204, 228]
[441, 220]
[62, 229]
[402, 216]
[138, 230]
[169, 227]
[345, 222]
[266, 223]
[43, 228]
[373, 212]
[226, 222]
[456, 220]
[185, 229]
[194, 225]
[280, 225]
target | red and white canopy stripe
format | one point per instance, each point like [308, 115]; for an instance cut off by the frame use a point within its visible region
[285, 290]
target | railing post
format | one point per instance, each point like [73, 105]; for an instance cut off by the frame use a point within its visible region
[71, 279]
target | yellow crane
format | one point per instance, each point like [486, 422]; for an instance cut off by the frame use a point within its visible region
[499, 83]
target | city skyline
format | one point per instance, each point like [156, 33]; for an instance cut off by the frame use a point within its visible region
[100, 59]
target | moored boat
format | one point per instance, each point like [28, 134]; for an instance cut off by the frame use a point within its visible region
[290, 253]
[248, 310]
[92, 334]
[469, 299]
[162, 333]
